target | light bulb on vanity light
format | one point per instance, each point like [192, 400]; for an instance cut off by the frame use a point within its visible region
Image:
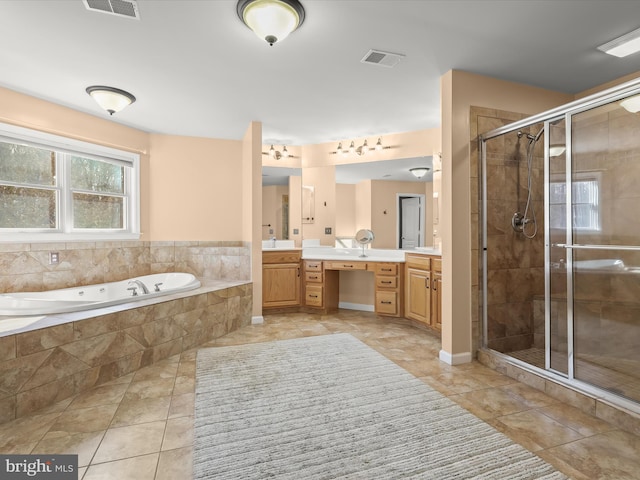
[379, 146]
[285, 152]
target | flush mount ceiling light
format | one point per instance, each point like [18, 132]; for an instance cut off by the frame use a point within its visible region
[271, 20]
[419, 172]
[111, 99]
[623, 46]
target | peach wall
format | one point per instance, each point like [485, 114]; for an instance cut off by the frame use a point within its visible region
[30, 112]
[251, 209]
[346, 211]
[194, 192]
[295, 210]
[272, 211]
[459, 91]
[363, 205]
[384, 210]
[323, 180]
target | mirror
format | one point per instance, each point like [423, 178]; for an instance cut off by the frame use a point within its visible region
[281, 202]
[308, 204]
[364, 237]
[382, 196]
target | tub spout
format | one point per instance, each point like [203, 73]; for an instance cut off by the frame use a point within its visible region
[139, 283]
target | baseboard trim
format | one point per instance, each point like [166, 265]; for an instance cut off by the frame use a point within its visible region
[258, 320]
[356, 306]
[456, 358]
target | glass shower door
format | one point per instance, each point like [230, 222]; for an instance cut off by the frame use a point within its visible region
[602, 254]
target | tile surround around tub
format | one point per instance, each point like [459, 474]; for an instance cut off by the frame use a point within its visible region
[42, 367]
[25, 266]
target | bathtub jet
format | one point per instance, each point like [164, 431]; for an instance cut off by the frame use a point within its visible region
[94, 296]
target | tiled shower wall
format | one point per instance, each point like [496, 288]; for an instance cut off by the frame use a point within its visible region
[515, 263]
[25, 266]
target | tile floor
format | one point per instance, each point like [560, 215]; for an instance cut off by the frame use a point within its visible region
[140, 427]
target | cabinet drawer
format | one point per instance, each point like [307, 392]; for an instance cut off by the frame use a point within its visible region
[417, 261]
[436, 265]
[345, 266]
[313, 295]
[386, 282]
[312, 266]
[387, 303]
[386, 269]
[313, 277]
[281, 256]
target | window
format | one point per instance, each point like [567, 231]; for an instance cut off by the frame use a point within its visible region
[56, 188]
[585, 199]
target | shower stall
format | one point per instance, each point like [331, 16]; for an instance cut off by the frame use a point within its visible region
[560, 243]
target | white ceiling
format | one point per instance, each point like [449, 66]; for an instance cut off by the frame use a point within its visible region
[197, 70]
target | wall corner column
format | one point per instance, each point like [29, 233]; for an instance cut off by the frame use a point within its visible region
[455, 229]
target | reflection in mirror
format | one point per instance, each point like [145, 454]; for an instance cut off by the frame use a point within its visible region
[280, 202]
[308, 204]
[374, 196]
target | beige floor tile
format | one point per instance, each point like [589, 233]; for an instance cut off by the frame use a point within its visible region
[586, 425]
[149, 414]
[26, 430]
[102, 395]
[81, 472]
[178, 434]
[136, 468]
[494, 402]
[184, 385]
[182, 405]
[175, 464]
[82, 444]
[607, 456]
[154, 388]
[528, 395]
[131, 441]
[153, 372]
[141, 411]
[81, 420]
[543, 430]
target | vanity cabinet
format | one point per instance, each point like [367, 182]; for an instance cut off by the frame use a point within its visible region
[281, 278]
[320, 287]
[388, 288]
[436, 294]
[423, 292]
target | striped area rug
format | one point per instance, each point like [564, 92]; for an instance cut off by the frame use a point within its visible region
[331, 407]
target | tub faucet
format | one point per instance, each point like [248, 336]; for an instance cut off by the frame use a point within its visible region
[139, 283]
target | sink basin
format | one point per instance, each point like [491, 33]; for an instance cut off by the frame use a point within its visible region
[278, 245]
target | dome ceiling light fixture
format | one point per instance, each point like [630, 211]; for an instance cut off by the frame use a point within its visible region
[110, 98]
[419, 172]
[271, 20]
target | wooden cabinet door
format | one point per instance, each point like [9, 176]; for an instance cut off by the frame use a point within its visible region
[280, 284]
[418, 295]
[436, 301]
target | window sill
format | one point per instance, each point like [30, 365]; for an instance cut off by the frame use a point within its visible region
[66, 237]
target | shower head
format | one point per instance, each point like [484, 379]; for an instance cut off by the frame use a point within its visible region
[532, 138]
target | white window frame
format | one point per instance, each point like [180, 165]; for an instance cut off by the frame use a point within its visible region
[65, 231]
[582, 177]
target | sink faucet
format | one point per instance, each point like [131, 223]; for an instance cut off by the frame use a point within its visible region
[140, 284]
[273, 242]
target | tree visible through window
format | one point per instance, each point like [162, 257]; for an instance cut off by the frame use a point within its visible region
[56, 190]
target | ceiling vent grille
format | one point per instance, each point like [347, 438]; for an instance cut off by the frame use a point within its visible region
[121, 8]
[384, 59]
